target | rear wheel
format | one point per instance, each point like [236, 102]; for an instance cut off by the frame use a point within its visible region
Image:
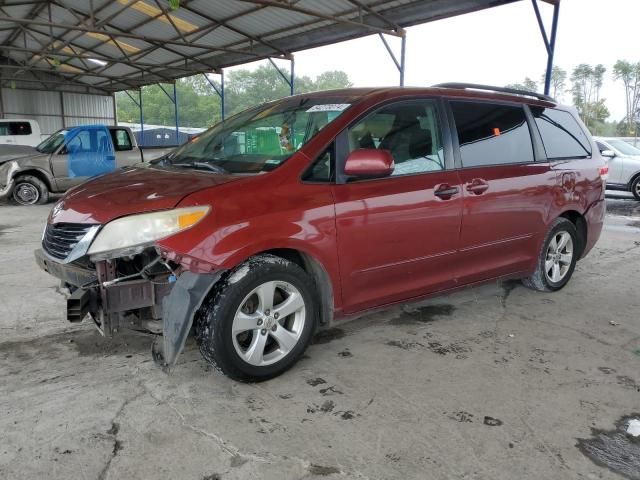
[259, 322]
[557, 259]
[635, 187]
[30, 190]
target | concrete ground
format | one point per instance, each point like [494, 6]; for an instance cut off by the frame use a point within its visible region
[495, 382]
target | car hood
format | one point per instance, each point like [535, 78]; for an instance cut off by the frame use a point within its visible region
[15, 152]
[130, 191]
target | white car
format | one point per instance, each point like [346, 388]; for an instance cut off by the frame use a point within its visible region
[624, 164]
[19, 132]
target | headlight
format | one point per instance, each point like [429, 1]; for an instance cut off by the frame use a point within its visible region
[144, 229]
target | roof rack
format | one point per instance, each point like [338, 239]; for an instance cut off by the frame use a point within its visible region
[513, 91]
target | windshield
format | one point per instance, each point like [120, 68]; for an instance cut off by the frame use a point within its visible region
[52, 143]
[260, 139]
[624, 147]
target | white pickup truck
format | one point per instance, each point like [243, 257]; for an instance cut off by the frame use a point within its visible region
[65, 159]
[18, 131]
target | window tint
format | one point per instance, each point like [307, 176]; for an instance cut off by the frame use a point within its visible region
[19, 128]
[561, 135]
[121, 140]
[323, 168]
[492, 134]
[409, 130]
[79, 143]
[103, 142]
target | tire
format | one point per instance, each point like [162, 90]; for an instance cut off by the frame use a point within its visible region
[265, 344]
[554, 268]
[30, 190]
[635, 187]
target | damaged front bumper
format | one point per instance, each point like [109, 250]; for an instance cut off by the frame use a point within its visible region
[7, 181]
[165, 303]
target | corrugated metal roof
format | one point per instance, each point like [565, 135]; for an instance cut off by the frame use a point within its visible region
[145, 42]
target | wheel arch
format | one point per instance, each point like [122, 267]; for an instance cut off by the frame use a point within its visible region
[35, 172]
[314, 268]
[580, 223]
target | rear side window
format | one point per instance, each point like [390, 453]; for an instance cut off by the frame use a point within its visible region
[561, 135]
[492, 134]
[121, 140]
[19, 128]
[15, 128]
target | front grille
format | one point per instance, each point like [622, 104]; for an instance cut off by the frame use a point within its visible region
[60, 238]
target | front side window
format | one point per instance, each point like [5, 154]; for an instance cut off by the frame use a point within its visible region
[492, 134]
[81, 142]
[322, 170]
[561, 135]
[409, 130]
[624, 147]
[19, 128]
[260, 139]
[4, 129]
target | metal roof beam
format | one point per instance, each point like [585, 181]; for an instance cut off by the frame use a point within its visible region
[61, 74]
[379, 16]
[225, 23]
[32, 14]
[121, 34]
[48, 84]
[149, 66]
[313, 13]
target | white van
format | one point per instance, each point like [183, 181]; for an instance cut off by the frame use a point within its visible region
[19, 132]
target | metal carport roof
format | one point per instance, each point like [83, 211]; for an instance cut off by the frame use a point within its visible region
[112, 45]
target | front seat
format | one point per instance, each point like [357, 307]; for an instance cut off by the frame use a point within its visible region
[407, 140]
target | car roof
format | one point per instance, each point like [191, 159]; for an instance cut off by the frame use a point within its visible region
[399, 92]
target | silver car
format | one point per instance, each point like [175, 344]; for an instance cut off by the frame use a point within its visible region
[624, 164]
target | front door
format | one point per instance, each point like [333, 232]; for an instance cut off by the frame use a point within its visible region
[507, 195]
[86, 152]
[397, 236]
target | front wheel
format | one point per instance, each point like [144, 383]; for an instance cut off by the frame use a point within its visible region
[557, 259]
[30, 190]
[635, 187]
[259, 321]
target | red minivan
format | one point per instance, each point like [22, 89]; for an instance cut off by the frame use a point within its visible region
[296, 213]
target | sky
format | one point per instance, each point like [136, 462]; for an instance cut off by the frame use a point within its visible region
[496, 46]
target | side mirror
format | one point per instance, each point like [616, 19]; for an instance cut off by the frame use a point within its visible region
[608, 153]
[369, 163]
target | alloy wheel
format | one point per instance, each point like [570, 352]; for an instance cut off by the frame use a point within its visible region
[559, 257]
[269, 322]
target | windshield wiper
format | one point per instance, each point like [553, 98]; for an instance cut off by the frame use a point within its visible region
[208, 166]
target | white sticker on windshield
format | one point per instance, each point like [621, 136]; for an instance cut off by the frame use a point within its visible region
[329, 107]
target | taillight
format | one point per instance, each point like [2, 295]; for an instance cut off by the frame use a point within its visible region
[604, 172]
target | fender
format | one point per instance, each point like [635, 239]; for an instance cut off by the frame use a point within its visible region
[179, 309]
[25, 169]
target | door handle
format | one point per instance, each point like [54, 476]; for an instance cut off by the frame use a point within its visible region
[477, 186]
[445, 192]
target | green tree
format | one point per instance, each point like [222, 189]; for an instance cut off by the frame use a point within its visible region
[587, 83]
[558, 82]
[629, 74]
[199, 105]
[528, 84]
